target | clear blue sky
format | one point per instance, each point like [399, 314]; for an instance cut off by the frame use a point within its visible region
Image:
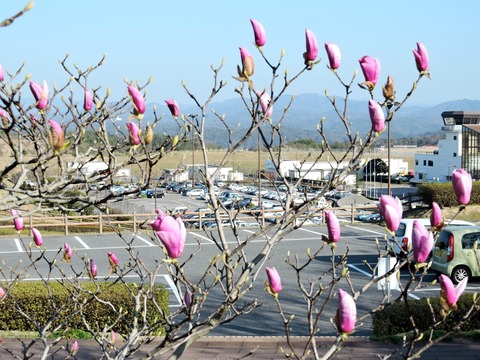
[179, 40]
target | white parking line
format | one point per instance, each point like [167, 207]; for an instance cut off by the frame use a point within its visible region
[85, 246]
[149, 243]
[202, 237]
[19, 245]
[362, 229]
[311, 231]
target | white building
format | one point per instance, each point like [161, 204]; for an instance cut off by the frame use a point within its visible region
[439, 164]
[295, 169]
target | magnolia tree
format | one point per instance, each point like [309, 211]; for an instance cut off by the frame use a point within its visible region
[43, 136]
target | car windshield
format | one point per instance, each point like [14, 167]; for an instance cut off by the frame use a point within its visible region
[401, 230]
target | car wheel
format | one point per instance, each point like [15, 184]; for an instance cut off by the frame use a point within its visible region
[460, 273]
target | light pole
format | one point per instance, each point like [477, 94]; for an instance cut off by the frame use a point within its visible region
[258, 170]
[193, 117]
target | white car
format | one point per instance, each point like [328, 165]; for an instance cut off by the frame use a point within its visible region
[194, 192]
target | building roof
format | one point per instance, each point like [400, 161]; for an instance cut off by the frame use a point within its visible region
[461, 117]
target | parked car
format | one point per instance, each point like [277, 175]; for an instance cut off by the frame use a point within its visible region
[401, 245]
[155, 193]
[194, 192]
[456, 252]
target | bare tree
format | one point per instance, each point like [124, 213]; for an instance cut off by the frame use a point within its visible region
[46, 144]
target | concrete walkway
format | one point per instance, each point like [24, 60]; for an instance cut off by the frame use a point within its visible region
[263, 348]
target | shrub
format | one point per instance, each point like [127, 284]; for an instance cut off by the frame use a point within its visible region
[443, 195]
[395, 319]
[43, 301]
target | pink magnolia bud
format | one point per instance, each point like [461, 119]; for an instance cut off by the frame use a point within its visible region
[259, 32]
[5, 118]
[377, 117]
[187, 298]
[312, 48]
[134, 137]
[449, 292]
[462, 185]
[346, 312]
[274, 280]
[156, 224]
[112, 260]
[248, 65]
[137, 98]
[265, 100]
[334, 55]
[40, 93]
[113, 337]
[2, 293]
[173, 107]
[2, 76]
[56, 136]
[93, 269]
[333, 226]
[436, 218]
[74, 348]
[87, 100]
[421, 57]
[422, 242]
[172, 233]
[37, 237]
[371, 70]
[391, 210]
[18, 220]
[67, 252]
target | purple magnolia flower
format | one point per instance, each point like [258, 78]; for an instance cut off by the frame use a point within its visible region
[346, 312]
[134, 137]
[462, 185]
[173, 107]
[2, 76]
[274, 280]
[40, 93]
[391, 210]
[422, 242]
[56, 135]
[334, 55]
[2, 293]
[187, 298]
[171, 232]
[259, 32]
[436, 218]
[265, 99]
[449, 292]
[67, 252]
[37, 237]
[421, 57]
[248, 65]
[333, 226]
[377, 117]
[312, 47]
[87, 100]
[93, 269]
[137, 98]
[371, 70]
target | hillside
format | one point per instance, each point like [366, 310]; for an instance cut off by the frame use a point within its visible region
[306, 111]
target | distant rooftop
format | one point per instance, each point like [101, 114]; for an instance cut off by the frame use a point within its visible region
[461, 117]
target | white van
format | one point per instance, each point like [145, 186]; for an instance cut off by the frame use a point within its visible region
[403, 235]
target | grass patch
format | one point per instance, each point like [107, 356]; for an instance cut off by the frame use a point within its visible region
[473, 335]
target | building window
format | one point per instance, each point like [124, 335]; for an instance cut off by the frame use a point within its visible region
[455, 137]
[424, 162]
[416, 162]
[454, 154]
[430, 163]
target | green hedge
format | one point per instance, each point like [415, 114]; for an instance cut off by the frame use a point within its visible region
[443, 195]
[34, 299]
[395, 319]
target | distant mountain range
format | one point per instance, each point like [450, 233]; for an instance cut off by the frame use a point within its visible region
[304, 115]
